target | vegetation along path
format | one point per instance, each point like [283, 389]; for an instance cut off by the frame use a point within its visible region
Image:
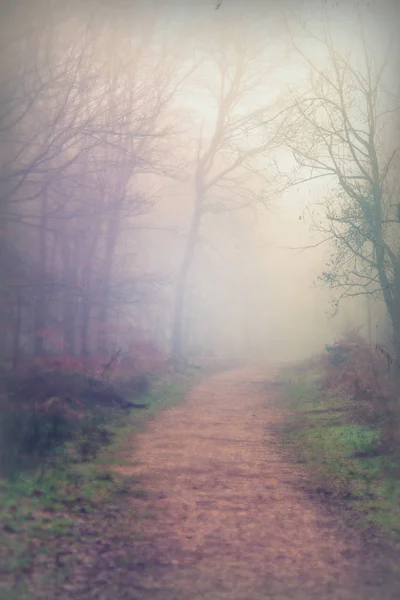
[230, 519]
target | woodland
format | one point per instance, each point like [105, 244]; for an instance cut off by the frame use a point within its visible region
[139, 144]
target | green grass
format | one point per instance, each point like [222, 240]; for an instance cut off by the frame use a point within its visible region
[45, 509]
[343, 456]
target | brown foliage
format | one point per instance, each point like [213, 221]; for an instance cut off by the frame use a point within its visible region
[357, 371]
[352, 366]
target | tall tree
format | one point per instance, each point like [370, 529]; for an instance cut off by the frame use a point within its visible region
[78, 125]
[345, 130]
[230, 157]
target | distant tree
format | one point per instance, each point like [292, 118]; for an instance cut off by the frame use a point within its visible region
[229, 155]
[78, 125]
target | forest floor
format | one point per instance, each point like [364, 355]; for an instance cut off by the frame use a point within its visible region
[221, 513]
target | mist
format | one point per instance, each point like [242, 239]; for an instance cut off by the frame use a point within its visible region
[153, 184]
[200, 299]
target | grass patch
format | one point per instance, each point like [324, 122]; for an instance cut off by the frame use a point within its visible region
[345, 457]
[54, 506]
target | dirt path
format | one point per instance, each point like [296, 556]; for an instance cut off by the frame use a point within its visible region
[230, 521]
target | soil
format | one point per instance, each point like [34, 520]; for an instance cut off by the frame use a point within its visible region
[229, 514]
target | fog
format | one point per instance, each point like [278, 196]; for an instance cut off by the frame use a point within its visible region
[148, 160]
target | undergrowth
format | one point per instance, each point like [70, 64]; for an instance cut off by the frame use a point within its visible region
[341, 437]
[52, 508]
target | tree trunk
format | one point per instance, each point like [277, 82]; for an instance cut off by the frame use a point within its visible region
[181, 284]
[110, 244]
[395, 317]
[68, 303]
[84, 327]
[396, 343]
[40, 301]
[17, 331]
[85, 255]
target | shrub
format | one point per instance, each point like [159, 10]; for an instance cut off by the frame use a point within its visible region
[142, 356]
[354, 368]
[50, 401]
[133, 386]
[42, 410]
[28, 435]
[356, 371]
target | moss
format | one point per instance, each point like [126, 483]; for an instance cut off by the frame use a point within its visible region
[345, 458]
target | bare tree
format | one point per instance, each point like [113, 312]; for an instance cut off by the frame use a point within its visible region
[230, 155]
[344, 129]
[83, 125]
